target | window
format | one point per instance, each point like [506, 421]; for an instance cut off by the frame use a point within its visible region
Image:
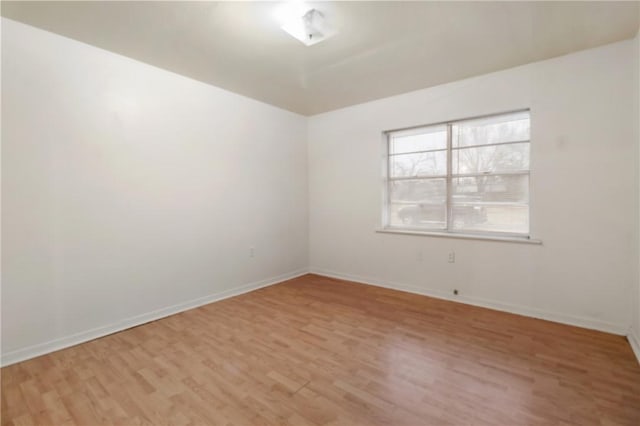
[468, 176]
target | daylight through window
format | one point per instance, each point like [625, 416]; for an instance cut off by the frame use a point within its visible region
[468, 176]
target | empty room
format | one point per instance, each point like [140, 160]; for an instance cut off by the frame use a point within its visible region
[320, 213]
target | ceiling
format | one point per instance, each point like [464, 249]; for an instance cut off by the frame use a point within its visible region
[381, 49]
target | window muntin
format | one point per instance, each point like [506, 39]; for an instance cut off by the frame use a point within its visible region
[467, 176]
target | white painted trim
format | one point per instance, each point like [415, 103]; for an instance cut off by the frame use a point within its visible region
[634, 341]
[84, 336]
[618, 329]
[444, 234]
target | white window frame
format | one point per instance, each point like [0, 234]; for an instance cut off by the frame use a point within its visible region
[449, 231]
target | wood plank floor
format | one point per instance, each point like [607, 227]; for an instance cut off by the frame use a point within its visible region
[316, 351]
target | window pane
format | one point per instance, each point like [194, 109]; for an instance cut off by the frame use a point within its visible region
[423, 164]
[497, 129]
[491, 189]
[495, 158]
[509, 218]
[426, 216]
[431, 191]
[423, 139]
[491, 203]
[418, 203]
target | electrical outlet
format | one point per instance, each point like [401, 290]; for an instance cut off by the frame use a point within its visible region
[252, 252]
[452, 257]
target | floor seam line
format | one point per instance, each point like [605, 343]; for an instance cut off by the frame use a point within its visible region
[308, 381]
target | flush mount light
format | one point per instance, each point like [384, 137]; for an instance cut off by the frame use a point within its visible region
[310, 27]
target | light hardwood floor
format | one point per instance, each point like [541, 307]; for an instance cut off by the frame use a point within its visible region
[314, 351]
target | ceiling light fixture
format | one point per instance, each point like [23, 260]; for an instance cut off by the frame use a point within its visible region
[310, 27]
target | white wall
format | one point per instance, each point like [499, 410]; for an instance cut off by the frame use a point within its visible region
[583, 193]
[634, 337]
[129, 192]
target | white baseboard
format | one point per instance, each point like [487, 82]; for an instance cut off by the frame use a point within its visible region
[84, 336]
[634, 340]
[619, 329]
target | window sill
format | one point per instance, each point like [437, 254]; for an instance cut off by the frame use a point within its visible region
[506, 239]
